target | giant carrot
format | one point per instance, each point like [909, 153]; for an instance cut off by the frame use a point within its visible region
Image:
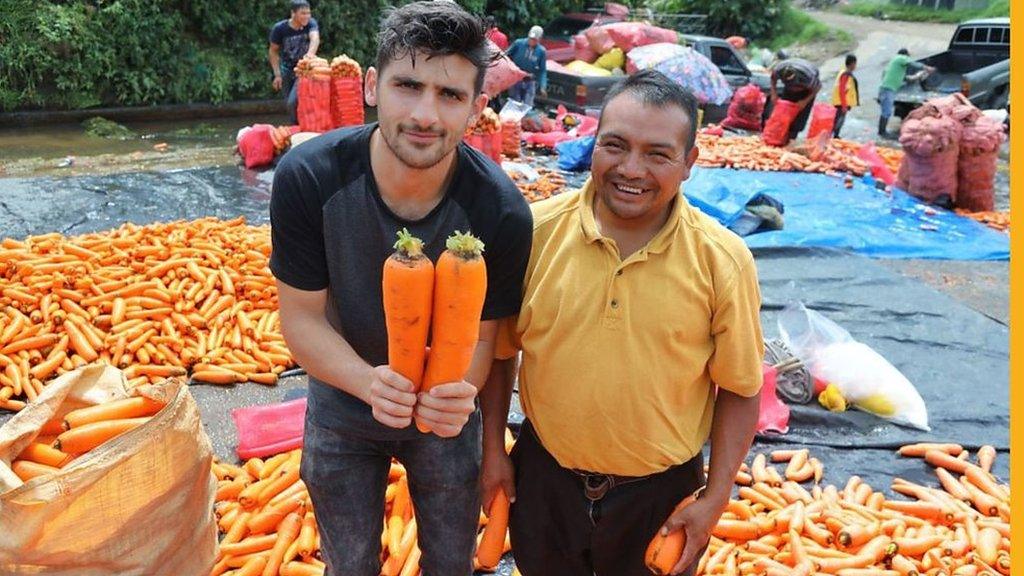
[408, 288]
[665, 550]
[134, 407]
[493, 541]
[88, 436]
[460, 286]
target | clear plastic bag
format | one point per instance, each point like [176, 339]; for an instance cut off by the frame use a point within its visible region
[865, 379]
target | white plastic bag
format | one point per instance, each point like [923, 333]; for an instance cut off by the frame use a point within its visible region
[514, 110]
[864, 378]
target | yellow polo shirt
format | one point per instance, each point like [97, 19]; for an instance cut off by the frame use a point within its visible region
[620, 358]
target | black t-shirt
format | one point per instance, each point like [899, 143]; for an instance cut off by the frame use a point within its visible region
[798, 76]
[331, 230]
[294, 43]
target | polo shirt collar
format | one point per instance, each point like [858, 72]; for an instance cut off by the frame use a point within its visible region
[658, 244]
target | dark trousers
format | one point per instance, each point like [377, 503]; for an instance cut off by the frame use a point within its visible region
[840, 118]
[347, 476]
[557, 530]
[290, 91]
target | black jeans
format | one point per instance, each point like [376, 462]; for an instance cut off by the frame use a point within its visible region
[840, 119]
[347, 475]
[290, 91]
[556, 530]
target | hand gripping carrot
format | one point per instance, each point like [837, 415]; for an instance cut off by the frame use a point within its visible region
[460, 286]
[665, 550]
[493, 542]
[408, 287]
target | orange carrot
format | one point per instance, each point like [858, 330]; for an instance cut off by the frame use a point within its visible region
[301, 569]
[27, 470]
[987, 545]
[253, 566]
[941, 459]
[88, 436]
[134, 407]
[460, 285]
[44, 454]
[919, 450]
[493, 541]
[665, 550]
[408, 288]
[287, 532]
[986, 456]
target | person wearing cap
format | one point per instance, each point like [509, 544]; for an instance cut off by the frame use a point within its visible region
[532, 58]
[892, 80]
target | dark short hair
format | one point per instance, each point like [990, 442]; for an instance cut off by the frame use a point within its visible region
[653, 88]
[299, 5]
[491, 21]
[904, 51]
[436, 28]
[851, 59]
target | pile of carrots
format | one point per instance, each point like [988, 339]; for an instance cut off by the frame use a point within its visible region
[778, 527]
[487, 122]
[269, 524]
[62, 440]
[891, 156]
[995, 220]
[158, 301]
[550, 183]
[751, 153]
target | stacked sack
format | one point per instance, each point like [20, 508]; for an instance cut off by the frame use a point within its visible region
[346, 92]
[746, 109]
[976, 165]
[485, 134]
[931, 145]
[602, 50]
[314, 77]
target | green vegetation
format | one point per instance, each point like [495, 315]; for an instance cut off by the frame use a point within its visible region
[102, 128]
[753, 19]
[876, 9]
[796, 27]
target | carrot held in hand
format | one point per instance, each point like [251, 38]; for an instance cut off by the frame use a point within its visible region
[665, 550]
[492, 545]
[460, 286]
[408, 288]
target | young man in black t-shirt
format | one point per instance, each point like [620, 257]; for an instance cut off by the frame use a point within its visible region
[337, 204]
[290, 40]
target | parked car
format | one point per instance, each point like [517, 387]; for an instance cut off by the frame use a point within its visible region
[977, 64]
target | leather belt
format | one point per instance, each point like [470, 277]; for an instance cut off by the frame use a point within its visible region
[595, 486]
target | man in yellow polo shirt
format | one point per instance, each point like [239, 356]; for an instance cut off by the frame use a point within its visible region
[636, 308]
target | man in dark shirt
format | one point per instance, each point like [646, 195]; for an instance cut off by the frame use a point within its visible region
[290, 40]
[337, 204]
[800, 84]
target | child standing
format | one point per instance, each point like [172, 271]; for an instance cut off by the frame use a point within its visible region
[845, 93]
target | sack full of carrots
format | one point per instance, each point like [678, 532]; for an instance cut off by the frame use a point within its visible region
[314, 94]
[97, 477]
[346, 92]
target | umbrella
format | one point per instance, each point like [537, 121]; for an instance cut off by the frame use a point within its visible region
[694, 71]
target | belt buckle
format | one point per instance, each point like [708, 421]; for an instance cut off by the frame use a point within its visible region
[595, 492]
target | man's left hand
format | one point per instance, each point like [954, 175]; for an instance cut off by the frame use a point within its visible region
[697, 520]
[446, 408]
[544, 93]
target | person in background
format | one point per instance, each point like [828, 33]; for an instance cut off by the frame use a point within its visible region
[845, 93]
[495, 35]
[800, 84]
[892, 80]
[532, 58]
[290, 40]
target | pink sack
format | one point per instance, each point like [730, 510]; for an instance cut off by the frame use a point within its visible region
[879, 169]
[929, 168]
[629, 35]
[256, 146]
[582, 50]
[547, 139]
[501, 74]
[774, 414]
[269, 429]
[600, 42]
[976, 165]
[823, 118]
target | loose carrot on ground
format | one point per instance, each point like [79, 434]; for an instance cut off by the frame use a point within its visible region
[460, 286]
[986, 456]
[408, 289]
[919, 450]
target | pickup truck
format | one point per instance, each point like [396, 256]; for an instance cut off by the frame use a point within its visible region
[580, 93]
[558, 33]
[977, 64]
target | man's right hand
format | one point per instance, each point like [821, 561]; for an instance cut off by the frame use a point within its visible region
[496, 471]
[277, 83]
[391, 398]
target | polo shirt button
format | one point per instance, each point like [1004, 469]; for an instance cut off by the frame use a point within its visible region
[618, 272]
[615, 303]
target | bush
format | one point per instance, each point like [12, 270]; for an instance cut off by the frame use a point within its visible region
[912, 13]
[753, 19]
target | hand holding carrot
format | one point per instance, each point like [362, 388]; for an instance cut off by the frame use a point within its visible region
[446, 408]
[496, 473]
[697, 519]
[391, 398]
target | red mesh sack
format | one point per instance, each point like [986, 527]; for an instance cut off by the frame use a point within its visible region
[489, 144]
[629, 35]
[346, 101]
[269, 429]
[931, 148]
[600, 41]
[315, 104]
[257, 146]
[776, 129]
[511, 136]
[581, 49]
[746, 109]
[976, 165]
[823, 119]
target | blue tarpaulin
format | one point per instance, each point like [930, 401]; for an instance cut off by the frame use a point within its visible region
[821, 213]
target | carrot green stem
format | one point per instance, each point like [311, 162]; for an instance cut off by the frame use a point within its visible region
[408, 246]
[465, 245]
